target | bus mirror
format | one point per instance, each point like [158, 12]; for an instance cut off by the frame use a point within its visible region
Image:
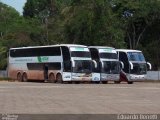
[150, 66]
[102, 64]
[95, 63]
[131, 65]
[73, 63]
[122, 64]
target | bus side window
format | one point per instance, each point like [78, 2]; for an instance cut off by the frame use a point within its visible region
[66, 59]
[123, 57]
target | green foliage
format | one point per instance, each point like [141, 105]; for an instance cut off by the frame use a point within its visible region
[137, 16]
[39, 8]
[91, 23]
[15, 31]
[3, 57]
[119, 23]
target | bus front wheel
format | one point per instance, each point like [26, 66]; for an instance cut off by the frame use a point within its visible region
[52, 78]
[59, 78]
[130, 82]
[104, 82]
[19, 77]
[96, 82]
[24, 77]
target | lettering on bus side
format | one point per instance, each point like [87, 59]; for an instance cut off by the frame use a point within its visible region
[43, 59]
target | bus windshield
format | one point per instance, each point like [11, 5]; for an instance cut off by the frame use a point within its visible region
[111, 67]
[139, 68]
[135, 56]
[82, 66]
[85, 54]
[109, 55]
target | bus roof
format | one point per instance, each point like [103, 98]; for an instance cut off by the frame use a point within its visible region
[128, 50]
[101, 47]
[67, 45]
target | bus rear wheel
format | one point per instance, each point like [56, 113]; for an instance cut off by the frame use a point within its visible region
[59, 78]
[117, 82]
[24, 77]
[19, 77]
[130, 82]
[52, 78]
[104, 82]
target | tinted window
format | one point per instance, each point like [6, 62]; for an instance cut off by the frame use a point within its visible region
[80, 54]
[35, 66]
[136, 56]
[94, 54]
[109, 55]
[139, 68]
[66, 53]
[40, 66]
[46, 51]
[66, 59]
[82, 66]
[123, 57]
[111, 67]
[54, 66]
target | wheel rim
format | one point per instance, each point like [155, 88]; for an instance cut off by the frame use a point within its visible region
[52, 78]
[19, 77]
[24, 78]
[59, 79]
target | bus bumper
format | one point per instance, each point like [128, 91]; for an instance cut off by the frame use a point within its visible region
[133, 77]
[81, 77]
[110, 77]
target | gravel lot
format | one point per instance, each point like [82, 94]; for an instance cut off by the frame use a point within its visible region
[48, 98]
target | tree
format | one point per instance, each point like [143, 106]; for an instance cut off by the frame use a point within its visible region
[15, 31]
[91, 23]
[33, 8]
[136, 17]
[7, 16]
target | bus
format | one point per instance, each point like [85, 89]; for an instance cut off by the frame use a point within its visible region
[55, 63]
[107, 65]
[135, 66]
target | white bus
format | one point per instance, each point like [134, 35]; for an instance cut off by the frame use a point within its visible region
[135, 66]
[56, 63]
[107, 66]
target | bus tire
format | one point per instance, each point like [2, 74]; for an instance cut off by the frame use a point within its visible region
[77, 82]
[69, 82]
[59, 78]
[104, 82]
[24, 77]
[96, 82]
[117, 82]
[130, 82]
[19, 77]
[52, 78]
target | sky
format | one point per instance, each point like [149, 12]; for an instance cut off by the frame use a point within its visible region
[17, 4]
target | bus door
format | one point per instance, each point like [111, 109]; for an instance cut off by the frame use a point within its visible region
[126, 70]
[45, 70]
[67, 65]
